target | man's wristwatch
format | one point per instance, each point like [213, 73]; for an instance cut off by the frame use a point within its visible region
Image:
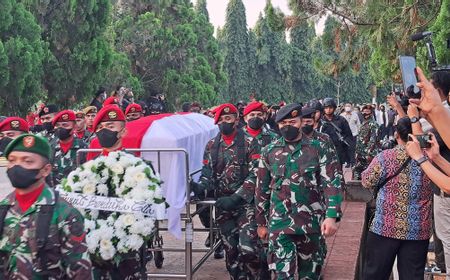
[422, 160]
[414, 119]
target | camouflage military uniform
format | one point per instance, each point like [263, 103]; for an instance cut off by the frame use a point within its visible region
[65, 250]
[298, 185]
[64, 163]
[247, 192]
[225, 179]
[87, 137]
[50, 136]
[366, 147]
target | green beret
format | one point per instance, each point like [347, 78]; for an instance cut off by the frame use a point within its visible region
[289, 111]
[29, 143]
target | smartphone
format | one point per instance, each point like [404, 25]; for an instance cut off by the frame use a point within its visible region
[408, 69]
[424, 140]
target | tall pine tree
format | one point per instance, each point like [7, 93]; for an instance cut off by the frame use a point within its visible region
[80, 54]
[305, 81]
[273, 56]
[236, 53]
[21, 59]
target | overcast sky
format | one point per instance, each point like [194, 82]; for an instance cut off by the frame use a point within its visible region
[217, 10]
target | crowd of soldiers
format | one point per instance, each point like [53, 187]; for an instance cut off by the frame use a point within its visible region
[275, 172]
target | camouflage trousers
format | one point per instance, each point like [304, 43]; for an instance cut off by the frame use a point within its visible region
[240, 239]
[129, 268]
[361, 164]
[303, 254]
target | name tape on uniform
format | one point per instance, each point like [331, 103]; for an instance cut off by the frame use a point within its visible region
[114, 204]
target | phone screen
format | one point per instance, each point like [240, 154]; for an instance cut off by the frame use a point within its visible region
[408, 66]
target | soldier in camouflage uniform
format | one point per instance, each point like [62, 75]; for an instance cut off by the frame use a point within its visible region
[366, 142]
[42, 236]
[110, 128]
[11, 128]
[89, 115]
[64, 158]
[298, 196]
[251, 247]
[80, 128]
[226, 163]
[46, 116]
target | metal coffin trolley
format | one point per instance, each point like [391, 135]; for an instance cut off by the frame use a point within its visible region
[156, 245]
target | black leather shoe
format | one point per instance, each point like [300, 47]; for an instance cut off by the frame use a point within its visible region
[218, 254]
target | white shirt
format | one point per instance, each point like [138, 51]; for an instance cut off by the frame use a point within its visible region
[353, 121]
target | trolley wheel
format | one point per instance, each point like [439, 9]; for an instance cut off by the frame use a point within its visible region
[159, 259]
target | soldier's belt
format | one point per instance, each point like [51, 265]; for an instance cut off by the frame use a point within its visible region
[114, 204]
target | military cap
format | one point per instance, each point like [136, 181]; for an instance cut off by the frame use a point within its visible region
[79, 115]
[308, 112]
[133, 108]
[14, 123]
[90, 110]
[255, 106]
[111, 100]
[64, 116]
[289, 111]
[108, 113]
[29, 143]
[224, 109]
[49, 109]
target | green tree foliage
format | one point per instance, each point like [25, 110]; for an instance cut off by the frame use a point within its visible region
[273, 57]
[201, 8]
[21, 57]
[79, 53]
[172, 51]
[349, 81]
[236, 53]
[306, 83]
[383, 26]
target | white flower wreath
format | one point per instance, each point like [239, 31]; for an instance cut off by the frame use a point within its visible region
[120, 175]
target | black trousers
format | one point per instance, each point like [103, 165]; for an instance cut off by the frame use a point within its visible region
[381, 252]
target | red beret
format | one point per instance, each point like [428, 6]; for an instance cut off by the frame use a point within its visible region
[254, 106]
[111, 100]
[224, 109]
[14, 123]
[64, 116]
[109, 113]
[133, 108]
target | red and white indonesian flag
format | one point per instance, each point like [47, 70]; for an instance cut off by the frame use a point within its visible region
[189, 131]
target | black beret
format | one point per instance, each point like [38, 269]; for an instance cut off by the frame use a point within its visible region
[308, 112]
[49, 109]
[288, 112]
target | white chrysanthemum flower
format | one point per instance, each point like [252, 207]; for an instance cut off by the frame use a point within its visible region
[117, 169]
[134, 242]
[128, 219]
[94, 215]
[89, 189]
[102, 189]
[121, 246]
[107, 254]
[89, 225]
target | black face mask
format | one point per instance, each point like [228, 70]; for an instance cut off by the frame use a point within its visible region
[63, 133]
[307, 129]
[22, 178]
[4, 142]
[107, 137]
[226, 128]
[255, 123]
[48, 126]
[289, 132]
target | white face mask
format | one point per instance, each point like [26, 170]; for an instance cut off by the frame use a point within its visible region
[348, 109]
